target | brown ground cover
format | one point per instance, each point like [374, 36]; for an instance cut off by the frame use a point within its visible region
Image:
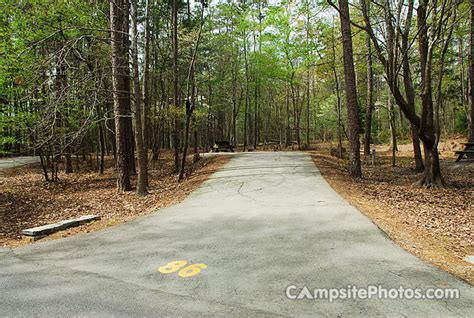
[433, 224]
[26, 200]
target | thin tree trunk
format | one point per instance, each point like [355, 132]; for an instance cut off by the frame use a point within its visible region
[233, 139]
[393, 131]
[176, 100]
[101, 136]
[339, 113]
[308, 103]
[338, 98]
[369, 101]
[470, 121]
[130, 149]
[146, 123]
[189, 113]
[191, 90]
[44, 165]
[295, 105]
[247, 97]
[308, 76]
[288, 129]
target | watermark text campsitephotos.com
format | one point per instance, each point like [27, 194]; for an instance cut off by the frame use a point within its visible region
[370, 292]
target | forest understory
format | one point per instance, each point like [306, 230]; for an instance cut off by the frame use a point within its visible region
[26, 200]
[432, 224]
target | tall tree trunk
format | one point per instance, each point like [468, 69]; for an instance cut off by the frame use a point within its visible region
[308, 76]
[44, 164]
[130, 150]
[351, 92]
[393, 130]
[427, 130]
[191, 90]
[337, 88]
[308, 103]
[176, 100]
[369, 100]
[101, 137]
[196, 156]
[233, 138]
[146, 123]
[247, 96]
[432, 174]
[463, 94]
[189, 113]
[295, 111]
[470, 121]
[410, 91]
[101, 148]
[120, 96]
[60, 122]
[139, 144]
[288, 129]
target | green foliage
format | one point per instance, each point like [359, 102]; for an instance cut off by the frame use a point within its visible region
[288, 44]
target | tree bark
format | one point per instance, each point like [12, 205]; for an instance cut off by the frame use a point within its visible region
[176, 100]
[432, 174]
[351, 91]
[288, 128]
[337, 87]
[247, 97]
[410, 91]
[101, 137]
[191, 90]
[425, 124]
[369, 101]
[308, 104]
[415, 135]
[470, 121]
[146, 123]
[139, 143]
[120, 95]
[233, 138]
[308, 75]
[393, 131]
[130, 150]
[295, 111]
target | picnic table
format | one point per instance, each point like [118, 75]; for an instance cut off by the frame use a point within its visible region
[468, 149]
[222, 145]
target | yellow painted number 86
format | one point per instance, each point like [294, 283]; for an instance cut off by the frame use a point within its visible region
[187, 271]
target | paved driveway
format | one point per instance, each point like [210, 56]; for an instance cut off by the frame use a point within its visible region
[6, 163]
[264, 222]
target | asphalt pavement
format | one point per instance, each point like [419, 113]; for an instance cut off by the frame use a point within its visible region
[12, 162]
[246, 243]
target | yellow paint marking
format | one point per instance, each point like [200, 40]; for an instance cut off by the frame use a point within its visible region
[172, 267]
[187, 271]
[191, 270]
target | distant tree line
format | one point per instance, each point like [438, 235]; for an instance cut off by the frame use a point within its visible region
[129, 78]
